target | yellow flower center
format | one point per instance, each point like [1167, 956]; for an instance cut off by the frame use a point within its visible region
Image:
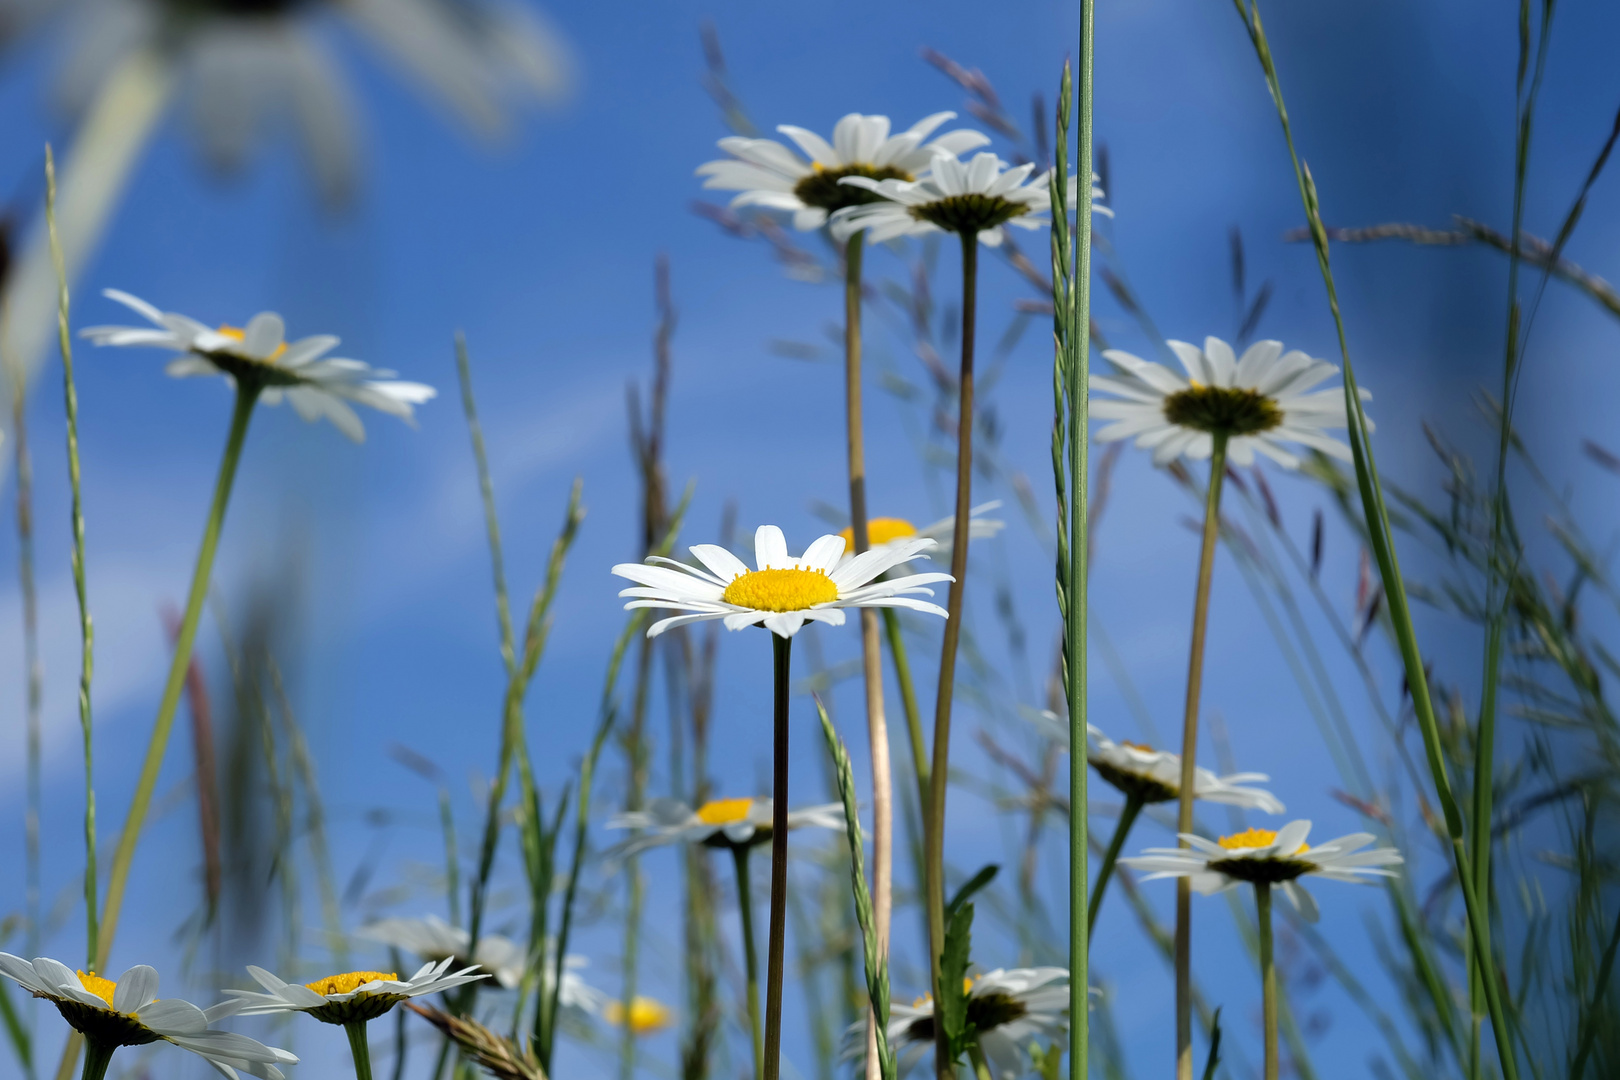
[646, 1015]
[725, 811]
[102, 988]
[927, 1000]
[780, 590]
[880, 531]
[349, 981]
[238, 335]
[1255, 838]
[1143, 747]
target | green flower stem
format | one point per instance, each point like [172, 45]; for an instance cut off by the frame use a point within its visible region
[1127, 818]
[247, 395]
[360, 1048]
[1189, 753]
[97, 1056]
[877, 727]
[779, 829]
[745, 908]
[934, 808]
[908, 700]
[981, 1067]
[1268, 977]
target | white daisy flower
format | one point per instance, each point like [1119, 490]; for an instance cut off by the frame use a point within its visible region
[978, 196]
[883, 531]
[768, 174]
[126, 1012]
[1009, 1008]
[1259, 401]
[353, 997]
[314, 384]
[434, 939]
[1154, 776]
[721, 823]
[785, 592]
[1261, 856]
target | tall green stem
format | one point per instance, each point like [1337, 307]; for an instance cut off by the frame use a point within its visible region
[97, 1056]
[1127, 818]
[1268, 977]
[1189, 753]
[745, 908]
[779, 829]
[247, 394]
[939, 773]
[360, 1047]
[908, 701]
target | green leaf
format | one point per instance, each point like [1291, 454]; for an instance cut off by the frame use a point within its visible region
[951, 994]
[1214, 1058]
[978, 881]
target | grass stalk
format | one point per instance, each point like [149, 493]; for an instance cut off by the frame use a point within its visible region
[939, 771]
[781, 651]
[34, 671]
[908, 700]
[87, 633]
[745, 909]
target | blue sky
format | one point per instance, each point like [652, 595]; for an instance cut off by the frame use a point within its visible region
[541, 249]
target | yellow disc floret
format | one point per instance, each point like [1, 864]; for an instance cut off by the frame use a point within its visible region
[880, 531]
[780, 590]
[350, 981]
[238, 335]
[1255, 838]
[102, 988]
[646, 1015]
[1142, 747]
[725, 811]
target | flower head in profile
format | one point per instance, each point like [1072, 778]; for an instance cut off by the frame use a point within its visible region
[979, 196]
[784, 592]
[433, 939]
[648, 1016]
[883, 531]
[721, 823]
[1261, 856]
[126, 1012]
[352, 997]
[258, 355]
[1154, 776]
[1259, 401]
[1008, 1008]
[766, 173]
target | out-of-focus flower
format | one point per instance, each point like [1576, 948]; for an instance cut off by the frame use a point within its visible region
[768, 174]
[647, 1015]
[352, 997]
[1154, 776]
[1259, 402]
[433, 939]
[785, 592]
[883, 531]
[722, 823]
[313, 383]
[980, 196]
[126, 1012]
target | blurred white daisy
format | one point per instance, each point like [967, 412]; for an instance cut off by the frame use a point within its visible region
[1154, 776]
[785, 592]
[352, 997]
[1259, 401]
[433, 939]
[721, 823]
[768, 174]
[1261, 856]
[979, 196]
[126, 1012]
[1009, 1009]
[315, 384]
[883, 531]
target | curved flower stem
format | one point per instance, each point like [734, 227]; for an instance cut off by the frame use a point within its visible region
[779, 829]
[981, 1067]
[877, 727]
[934, 811]
[360, 1048]
[1268, 976]
[1127, 818]
[908, 701]
[1189, 752]
[745, 907]
[97, 1056]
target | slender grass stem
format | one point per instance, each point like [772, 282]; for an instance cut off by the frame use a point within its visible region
[34, 672]
[360, 1048]
[1268, 977]
[1105, 871]
[877, 727]
[1189, 752]
[782, 648]
[908, 701]
[87, 633]
[745, 909]
[939, 772]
